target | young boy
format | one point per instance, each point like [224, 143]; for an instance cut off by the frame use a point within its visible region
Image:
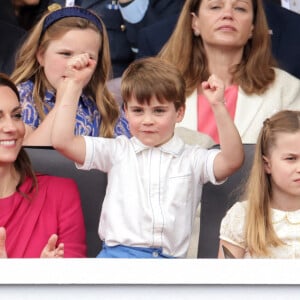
[154, 179]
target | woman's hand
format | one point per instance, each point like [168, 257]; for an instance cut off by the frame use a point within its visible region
[51, 251]
[3, 253]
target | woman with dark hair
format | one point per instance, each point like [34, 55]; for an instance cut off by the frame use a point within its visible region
[40, 215]
[230, 39]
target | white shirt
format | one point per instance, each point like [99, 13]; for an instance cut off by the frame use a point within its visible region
[286, 225]
[152, 192]
[293, 5]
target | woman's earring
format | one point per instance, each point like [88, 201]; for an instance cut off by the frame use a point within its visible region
[196, 33]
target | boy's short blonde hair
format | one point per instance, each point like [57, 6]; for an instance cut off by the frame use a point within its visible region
[153, 77]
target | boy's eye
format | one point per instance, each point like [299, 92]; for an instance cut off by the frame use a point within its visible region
[137, 110]
[290, 158]
[159, 110]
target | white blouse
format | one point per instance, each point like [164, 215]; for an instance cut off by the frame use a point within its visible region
[286, 225]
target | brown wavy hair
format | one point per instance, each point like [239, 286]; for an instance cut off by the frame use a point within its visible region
[22, 164]
[255, 71]
[28, 68]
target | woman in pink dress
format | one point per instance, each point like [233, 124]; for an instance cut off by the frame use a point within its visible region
[40, 215]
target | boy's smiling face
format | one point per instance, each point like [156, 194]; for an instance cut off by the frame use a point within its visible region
[153, 124]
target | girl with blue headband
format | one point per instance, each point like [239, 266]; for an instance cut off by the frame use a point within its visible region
[60, 35]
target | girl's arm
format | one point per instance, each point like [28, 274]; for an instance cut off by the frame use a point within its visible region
[231, 156]
[63, 139]
[237, 251]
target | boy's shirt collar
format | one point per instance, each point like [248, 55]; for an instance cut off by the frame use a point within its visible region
[174, 146]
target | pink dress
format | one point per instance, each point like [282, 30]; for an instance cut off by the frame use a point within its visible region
[55, 208]
[206, 119]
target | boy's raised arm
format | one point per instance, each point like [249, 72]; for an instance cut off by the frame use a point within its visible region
[68, 94]
[231, 156]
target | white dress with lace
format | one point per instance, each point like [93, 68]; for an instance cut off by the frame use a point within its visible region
[286, 225]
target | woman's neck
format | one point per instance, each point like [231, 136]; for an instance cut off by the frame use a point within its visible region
[221, 61]
[9, 180]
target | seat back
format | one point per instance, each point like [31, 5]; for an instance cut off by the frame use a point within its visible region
[215, 201]
[91, 185]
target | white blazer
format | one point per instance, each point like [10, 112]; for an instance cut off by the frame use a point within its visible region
[252, 110]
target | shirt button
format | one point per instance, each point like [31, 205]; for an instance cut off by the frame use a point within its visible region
[155, 254]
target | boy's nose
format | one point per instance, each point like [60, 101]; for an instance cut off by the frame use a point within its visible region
[147, 119]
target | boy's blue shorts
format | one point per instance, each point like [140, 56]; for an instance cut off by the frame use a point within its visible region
[121, 251]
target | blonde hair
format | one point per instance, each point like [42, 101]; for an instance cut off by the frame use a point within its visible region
[148, 77]
[28, 68]
[260, 233]
[254, 73]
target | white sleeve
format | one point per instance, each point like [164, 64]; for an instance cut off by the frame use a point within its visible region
[232, 228]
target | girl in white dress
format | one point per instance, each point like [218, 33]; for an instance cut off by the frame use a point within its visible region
[267, 225]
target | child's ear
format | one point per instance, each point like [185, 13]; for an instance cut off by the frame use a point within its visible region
[180, 114]
[267, 165]
[125, 110]
[40, 57]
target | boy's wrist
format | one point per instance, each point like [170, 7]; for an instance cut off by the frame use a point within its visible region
[223, 101]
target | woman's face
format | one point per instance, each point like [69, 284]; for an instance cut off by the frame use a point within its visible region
[224, 23]
[12, 129]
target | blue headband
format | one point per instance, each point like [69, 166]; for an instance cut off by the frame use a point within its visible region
[71, 11]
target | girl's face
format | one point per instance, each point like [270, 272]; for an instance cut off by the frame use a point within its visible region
[12, 129]
[224, 23]
[153, 124]
[55, 58]
[283, 164]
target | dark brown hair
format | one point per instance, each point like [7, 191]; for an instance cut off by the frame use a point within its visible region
[22, 164]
